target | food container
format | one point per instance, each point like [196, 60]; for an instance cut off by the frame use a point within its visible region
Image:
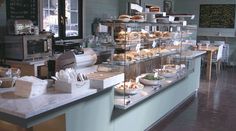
[103, 80]
[29, 86]
[128, 90]
[150, 82]
[72, 87]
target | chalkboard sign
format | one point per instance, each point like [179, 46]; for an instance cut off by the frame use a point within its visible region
[22, 9]
[217, 16]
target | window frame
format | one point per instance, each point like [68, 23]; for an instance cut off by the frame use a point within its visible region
[62, 14]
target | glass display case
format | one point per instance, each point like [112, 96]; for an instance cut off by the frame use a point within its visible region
[150, 55]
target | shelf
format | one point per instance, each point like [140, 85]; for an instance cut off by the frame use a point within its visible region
[145, 23]
[152, 13]
[182, 15]
[147, 92]
[127, 63]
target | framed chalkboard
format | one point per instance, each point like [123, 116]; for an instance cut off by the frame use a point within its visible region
[217, 16]
[22, 9]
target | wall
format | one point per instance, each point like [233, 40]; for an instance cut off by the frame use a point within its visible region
[227, 35]
[2, 20]
[100, 9]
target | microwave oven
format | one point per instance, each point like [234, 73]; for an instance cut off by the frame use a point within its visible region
[28, 47]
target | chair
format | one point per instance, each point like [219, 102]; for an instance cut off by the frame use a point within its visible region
[217, 57]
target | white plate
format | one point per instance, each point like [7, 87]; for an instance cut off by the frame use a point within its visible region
[141, 20]
[124, 20]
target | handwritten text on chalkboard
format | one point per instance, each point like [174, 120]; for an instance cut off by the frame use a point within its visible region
[217, 16]
[22, 9]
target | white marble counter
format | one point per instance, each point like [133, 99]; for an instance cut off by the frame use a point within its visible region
[26, 108]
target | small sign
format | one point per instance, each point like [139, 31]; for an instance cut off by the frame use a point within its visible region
[129, 29]
[136, 7]
[164, 14]
[103, 28]
[146, 28]
[154, 43]
[138, 47]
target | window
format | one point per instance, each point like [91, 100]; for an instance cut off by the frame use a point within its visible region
[63, 18]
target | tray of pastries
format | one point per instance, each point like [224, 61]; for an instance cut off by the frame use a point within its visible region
[128, 88]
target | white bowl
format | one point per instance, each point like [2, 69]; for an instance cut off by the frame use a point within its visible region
[151, 82]
[128, 91]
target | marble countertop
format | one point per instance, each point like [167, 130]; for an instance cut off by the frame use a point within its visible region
[29, 107]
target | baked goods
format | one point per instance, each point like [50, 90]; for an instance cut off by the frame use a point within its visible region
[138, 18]
[145, 53]
[155, 9]
[152, 37]
[144, 35]
[158, 34]
[134, 36]
[123, 57]
[124, 18]
[128, 88]
[122, 35]
[128, 36]
[166, 34]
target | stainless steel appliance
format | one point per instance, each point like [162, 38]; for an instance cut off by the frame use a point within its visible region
[20, 27]
[28, 47]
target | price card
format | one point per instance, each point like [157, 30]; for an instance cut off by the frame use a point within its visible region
[164, 14]
[156, 75]
[147, 28]
[154, 43]
[184, 23]
[129, 29]
[138, 47]
[154, 28]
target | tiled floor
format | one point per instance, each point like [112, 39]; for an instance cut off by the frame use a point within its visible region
[213, 109]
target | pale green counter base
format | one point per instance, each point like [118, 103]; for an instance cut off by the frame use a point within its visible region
[97, 114]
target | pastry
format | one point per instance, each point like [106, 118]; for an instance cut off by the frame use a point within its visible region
[134, 36]
[152, 37]
[123, 57]
[154, 9]
[158, 34]
[138, 18]
[166, 34]
[124, 18]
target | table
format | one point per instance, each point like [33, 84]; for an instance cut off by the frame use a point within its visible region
[210, 50]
